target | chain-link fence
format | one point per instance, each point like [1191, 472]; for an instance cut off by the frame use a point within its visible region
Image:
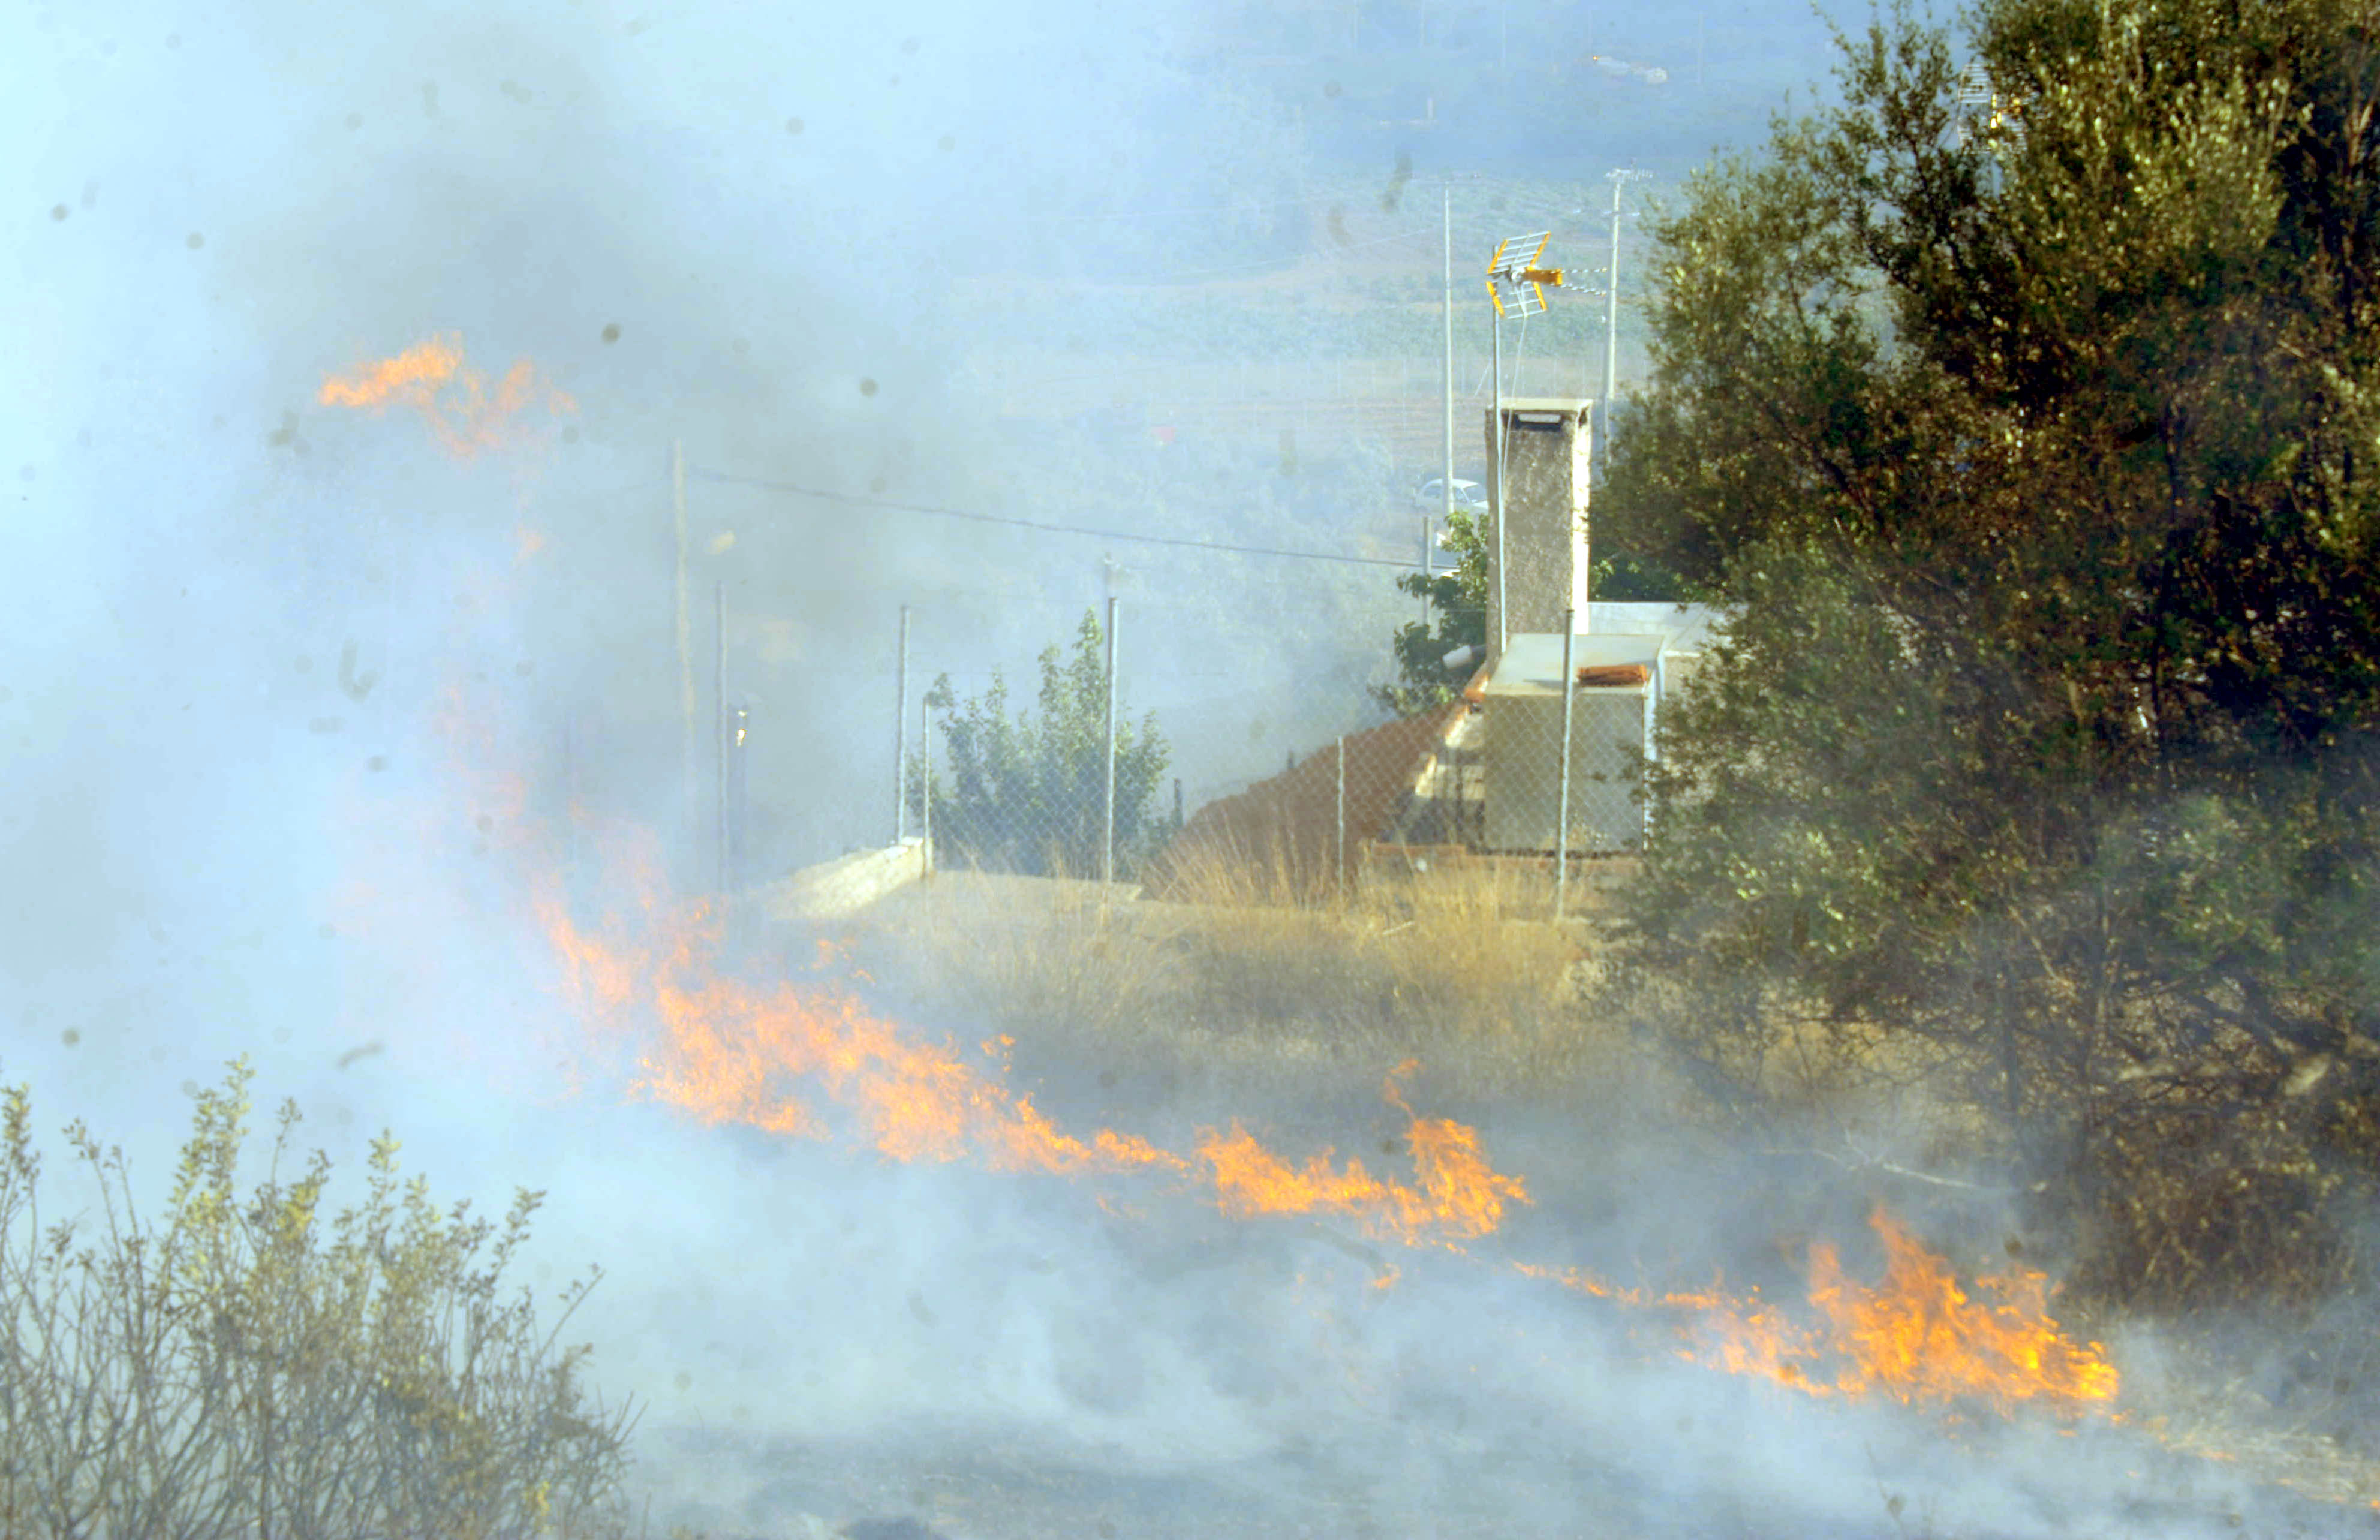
[1532, 770]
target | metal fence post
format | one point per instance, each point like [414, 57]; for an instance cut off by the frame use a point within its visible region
[901, 740]
[1562, 809]
[1338, 855]
[1107, 843]
[1495, 493]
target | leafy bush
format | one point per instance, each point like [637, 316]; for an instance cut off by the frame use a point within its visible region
[1030, 795]
[216, 1374]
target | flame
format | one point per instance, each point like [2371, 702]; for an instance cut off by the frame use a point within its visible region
[1459, 1196]
[808, 1058]
[1918, 1336]
[813, 1061]
[463, 411]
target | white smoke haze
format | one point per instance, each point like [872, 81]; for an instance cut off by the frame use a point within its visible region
[287, 687]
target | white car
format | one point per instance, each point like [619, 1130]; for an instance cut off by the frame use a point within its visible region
[1470, 497]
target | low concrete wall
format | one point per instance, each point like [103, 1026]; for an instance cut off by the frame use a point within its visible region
[845, 886]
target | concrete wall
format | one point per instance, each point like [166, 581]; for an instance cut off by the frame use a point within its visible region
[1546, 444]
[846, 885]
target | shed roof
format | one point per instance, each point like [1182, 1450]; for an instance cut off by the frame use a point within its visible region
[1532, 663]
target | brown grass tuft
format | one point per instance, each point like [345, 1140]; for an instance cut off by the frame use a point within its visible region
[1257, 970]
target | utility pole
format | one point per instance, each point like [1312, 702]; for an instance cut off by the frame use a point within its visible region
[689, 803]
[1446, 464]
[1496, 431]
[719, 595]
[900, 740]
[1611, 318]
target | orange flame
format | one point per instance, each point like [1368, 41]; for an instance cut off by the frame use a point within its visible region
[1918, 1336]
[1461, 1196]
[465, 414]
[812, 1059]
[733, 1053]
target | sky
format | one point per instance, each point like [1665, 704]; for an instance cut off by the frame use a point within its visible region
[295, 694]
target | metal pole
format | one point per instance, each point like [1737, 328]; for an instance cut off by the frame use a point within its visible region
[1107, 841]
[1561, 815]
[1611, 322]
[719, 595]
[739, 785]
[925, 776]
[1446, 316]
[1496, 432]
[1339, 856]
[900, 739]
[689, 806]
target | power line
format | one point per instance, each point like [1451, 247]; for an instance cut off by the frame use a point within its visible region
[972, 516]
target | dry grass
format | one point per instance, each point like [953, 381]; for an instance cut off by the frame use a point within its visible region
[217, 1374]
[1256, 973]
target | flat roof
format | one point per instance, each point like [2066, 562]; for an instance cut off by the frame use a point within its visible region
[1532, 666]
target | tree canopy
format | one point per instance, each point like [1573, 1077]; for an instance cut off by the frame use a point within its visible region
[1029, 794]
[2033, 454]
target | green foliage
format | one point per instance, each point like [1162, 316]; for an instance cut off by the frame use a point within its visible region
[223, 1373]
[2033, 462]
[1029, 794]
[1457, 602]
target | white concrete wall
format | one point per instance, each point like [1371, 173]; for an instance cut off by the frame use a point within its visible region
[845, 886]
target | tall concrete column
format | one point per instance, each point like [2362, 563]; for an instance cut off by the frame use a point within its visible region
[1548, 446]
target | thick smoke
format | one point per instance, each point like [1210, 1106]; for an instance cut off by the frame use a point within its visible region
[297, 703]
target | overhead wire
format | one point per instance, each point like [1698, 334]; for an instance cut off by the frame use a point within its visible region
[976, 516]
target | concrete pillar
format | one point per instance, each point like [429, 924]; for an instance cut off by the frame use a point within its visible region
[1546, 460]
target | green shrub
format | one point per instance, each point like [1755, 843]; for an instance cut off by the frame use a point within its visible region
[220, 1373]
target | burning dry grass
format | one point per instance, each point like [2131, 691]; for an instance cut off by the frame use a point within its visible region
[218, 1374]
[1264, 988]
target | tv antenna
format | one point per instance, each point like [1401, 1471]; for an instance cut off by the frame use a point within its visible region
[1516, 283]
[1977, 110]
